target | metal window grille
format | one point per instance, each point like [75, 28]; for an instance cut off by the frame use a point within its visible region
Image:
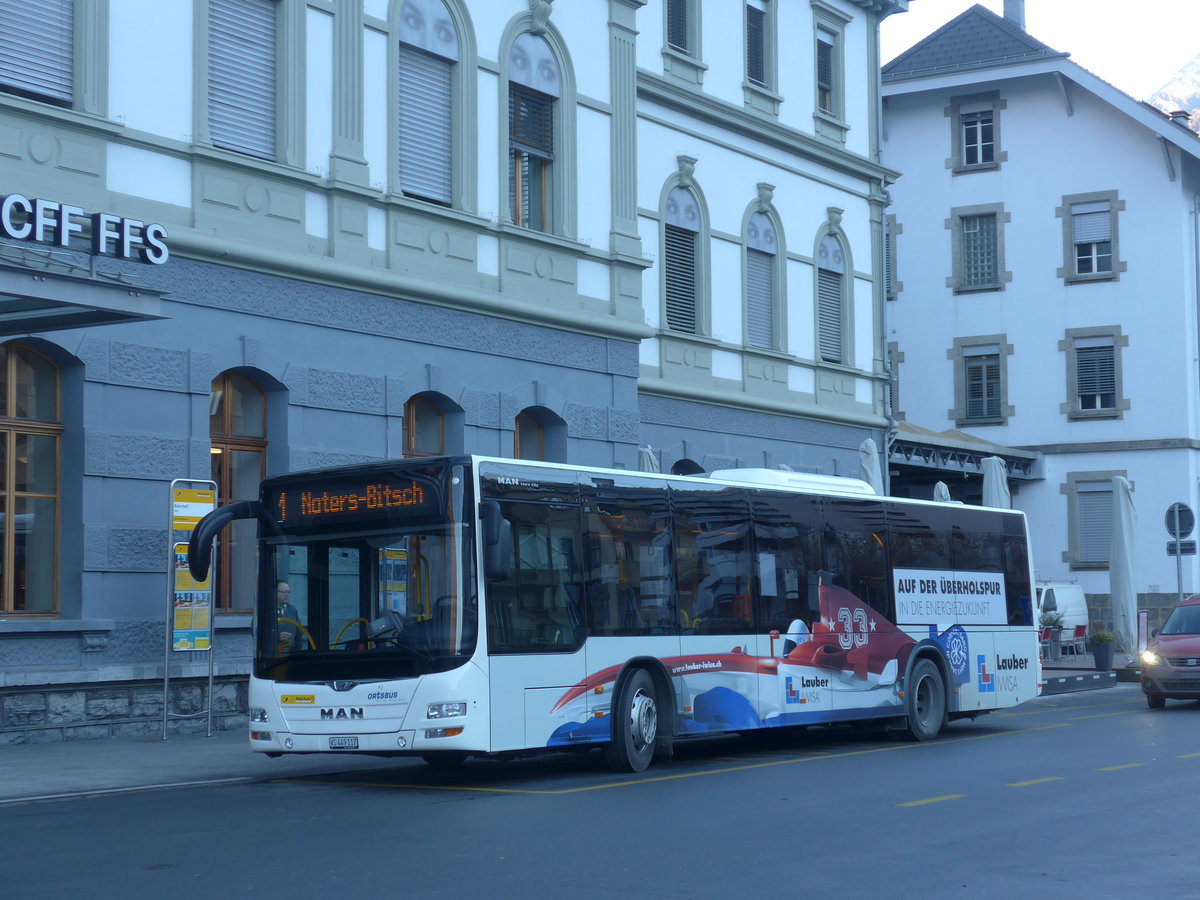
[679, 266]
[37, 49]
[425, 148]
[241, 76]
[979, 262]
[978, 136]
[760, 299]
[829, 315]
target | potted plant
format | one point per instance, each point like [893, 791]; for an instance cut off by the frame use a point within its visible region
[1102, 649]
[1051, 620]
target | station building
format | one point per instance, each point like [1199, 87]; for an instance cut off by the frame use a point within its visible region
[244, 237]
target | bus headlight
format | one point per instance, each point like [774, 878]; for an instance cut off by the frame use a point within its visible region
[1150, 658]
[258, 714]
[445, 710]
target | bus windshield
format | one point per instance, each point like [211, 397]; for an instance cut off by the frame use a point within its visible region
[366, 579]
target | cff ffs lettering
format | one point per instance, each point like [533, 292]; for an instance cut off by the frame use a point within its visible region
[48, 222]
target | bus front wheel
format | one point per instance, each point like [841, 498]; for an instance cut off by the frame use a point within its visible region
[634, 725]
[925, 699]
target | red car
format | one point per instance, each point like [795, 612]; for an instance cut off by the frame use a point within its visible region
[1171, 663]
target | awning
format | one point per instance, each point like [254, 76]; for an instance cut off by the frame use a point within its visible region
[39, 292]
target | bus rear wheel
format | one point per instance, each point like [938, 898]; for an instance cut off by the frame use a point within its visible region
[925, 699]
[634, 725]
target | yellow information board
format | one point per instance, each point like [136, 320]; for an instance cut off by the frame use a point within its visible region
[192, 612]
[189, 506]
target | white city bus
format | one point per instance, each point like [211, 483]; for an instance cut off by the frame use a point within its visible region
[472, 606]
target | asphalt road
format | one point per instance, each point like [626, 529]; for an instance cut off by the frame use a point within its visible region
[1078, 795]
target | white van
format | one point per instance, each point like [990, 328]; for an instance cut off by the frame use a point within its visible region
[1065, 598]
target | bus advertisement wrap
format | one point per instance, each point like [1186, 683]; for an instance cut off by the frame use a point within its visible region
[935, 597]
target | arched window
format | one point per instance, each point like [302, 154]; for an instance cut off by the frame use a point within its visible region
[534, 87]
[428, 54]
[538, 433]
[424, 427]
[681, 261]
[686, 467]
[831, 278]
[238, 432]
[762, 249]
[30, 433]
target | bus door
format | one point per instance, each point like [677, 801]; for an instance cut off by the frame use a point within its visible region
[787, 568]
[630, 594]
[536, 627]
[719, 671]
[863, 651]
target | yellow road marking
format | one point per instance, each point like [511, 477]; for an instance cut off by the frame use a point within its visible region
[1187, 755]
[932, 800]
[1035, 781]
[816, 757]
[1118, 768]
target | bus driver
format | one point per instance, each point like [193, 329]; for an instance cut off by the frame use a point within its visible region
[287, 619]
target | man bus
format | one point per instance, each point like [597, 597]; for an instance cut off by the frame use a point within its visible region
[475, 606]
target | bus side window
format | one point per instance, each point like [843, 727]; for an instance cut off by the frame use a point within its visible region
[854, 547]
[786, 560]
[629, 589]
[712, 560]
[538, 607]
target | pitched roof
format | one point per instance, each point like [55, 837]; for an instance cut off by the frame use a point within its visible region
[976, 39]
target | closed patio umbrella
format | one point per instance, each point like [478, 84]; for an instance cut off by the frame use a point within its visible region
[995, 483]
[868, 465]
[1122, 583]
[941, 493]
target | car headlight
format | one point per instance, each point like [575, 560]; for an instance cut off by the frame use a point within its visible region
[1150, 658]
[445, 710]
[258, 714]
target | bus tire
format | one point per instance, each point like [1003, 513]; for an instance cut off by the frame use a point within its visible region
[1156, 701]
[634, 724]
[925, 701]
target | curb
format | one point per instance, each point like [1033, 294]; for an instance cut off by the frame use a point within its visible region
[1066, 683]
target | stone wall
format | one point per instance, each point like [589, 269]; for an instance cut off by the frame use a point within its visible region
[82, 712]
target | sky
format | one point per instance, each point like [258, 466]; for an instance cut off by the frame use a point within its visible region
[1136, 46]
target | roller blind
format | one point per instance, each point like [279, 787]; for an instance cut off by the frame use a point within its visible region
[37, 42]
[829, 315]
[241, 76]
[425, 125]
[680, 275]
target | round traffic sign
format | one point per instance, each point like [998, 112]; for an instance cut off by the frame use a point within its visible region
[1180, 520]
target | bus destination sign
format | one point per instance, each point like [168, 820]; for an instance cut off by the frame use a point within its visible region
[348, 500]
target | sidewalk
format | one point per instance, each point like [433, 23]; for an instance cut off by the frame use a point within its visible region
[30, 772]
[90, 768]
[1078, 673]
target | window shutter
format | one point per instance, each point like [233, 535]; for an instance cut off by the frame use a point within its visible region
[889, 291]
[829, 315]
[760, 299]
[425, 125]
[37, 47]
[1095, 370]
[241, 76]
[1091, 226]
[677, 25]
[756, 66]
[1094, 508]
[680, 273]
[983, 386]
[531, 121]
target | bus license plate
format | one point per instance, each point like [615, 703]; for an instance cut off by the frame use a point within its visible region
[343, 743]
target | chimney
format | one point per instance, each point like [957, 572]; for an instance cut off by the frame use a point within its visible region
[1014, 11]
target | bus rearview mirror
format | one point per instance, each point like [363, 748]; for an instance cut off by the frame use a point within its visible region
[497, 541]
